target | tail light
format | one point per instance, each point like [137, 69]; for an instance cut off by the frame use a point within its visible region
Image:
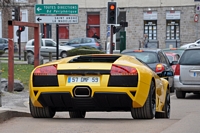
[177, 70]
[123, 70]
[46, 70]
[160, 68]
[97, 44]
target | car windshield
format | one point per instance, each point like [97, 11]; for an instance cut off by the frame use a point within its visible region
[190, 57]
[147, 57]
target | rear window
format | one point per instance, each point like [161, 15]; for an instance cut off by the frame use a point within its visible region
[147, 57]
[190, 57]
[177, 51]
[170, 58]
[95, 58]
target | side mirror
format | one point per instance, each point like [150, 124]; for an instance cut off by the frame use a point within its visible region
[174, 63]
[166, 74]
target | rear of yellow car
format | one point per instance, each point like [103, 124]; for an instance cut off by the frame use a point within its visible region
[89, 83]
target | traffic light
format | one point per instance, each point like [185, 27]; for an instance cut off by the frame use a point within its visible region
[21, 28]
[112, 13]
[16, 14]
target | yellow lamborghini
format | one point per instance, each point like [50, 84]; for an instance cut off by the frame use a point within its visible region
[99, 82]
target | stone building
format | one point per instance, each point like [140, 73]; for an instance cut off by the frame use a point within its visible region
[168, 23]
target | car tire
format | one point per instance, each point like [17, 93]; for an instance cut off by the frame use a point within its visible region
[149, 109]
[180, 94]
[166, 108]
[29, 54]
[63, 54]
[41, 112]
[77, 114]
[6, 50]
[172, 89]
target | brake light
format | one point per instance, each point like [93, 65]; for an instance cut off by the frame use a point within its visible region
[46, 70]
[97, 44]
[123, 70]
[177, 69]
[160, 68]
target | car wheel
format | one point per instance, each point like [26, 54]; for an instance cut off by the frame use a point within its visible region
[180, 94]
[63, 54]
[172, 88]
[29, 54]
[149, 108]
[77, 114]
[166, 108]
[41, 112]
[6, 50]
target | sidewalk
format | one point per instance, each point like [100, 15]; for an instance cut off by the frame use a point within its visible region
[14, 105]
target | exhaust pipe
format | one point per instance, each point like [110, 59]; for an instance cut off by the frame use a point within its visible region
[82, 91]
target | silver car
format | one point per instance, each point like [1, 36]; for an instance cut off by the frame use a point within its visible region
[47, 46]
[187, 73]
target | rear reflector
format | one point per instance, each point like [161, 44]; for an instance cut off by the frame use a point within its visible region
[159, 68]
[123, 70]
[177, 69]
[46, 70]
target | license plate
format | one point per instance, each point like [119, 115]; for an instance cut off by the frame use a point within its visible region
[83, 79]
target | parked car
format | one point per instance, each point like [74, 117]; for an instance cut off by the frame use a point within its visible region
[78, 42]
[47, 45]
[156, 59]
[174, 50]
[173, 57]
[4, 45]
[99, 82]
[187, 73]
[189, 45]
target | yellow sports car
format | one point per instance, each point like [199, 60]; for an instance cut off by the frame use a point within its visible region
[99, 82]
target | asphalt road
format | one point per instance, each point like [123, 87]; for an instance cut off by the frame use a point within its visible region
[184, 119]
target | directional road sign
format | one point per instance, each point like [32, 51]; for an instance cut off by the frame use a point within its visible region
[56, 9]
[57, 19]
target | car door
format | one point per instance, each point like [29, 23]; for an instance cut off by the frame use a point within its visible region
[88, 42]
[75, 42]
[190, 67]
[164, 60]
[49, 47]
[1, 44]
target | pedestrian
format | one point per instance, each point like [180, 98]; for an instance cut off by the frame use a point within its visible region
[145, 41]
[95, 36]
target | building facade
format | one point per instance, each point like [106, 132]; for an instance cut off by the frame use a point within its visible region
[168, 23]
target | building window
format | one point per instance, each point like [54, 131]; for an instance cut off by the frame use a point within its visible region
[63, 31]
[21, 1]
[173, 30]
[93, 24]
[173, 25]
[150, 28]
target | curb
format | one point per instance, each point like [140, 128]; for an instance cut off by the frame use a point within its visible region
[7, 114]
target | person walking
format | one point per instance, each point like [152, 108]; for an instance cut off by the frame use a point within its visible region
[145, 41]
[95, 36]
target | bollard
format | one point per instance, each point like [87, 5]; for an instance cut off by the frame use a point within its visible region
[50, 56]
[25, 56]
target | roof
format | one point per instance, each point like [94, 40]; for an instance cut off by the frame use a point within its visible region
[143, 49]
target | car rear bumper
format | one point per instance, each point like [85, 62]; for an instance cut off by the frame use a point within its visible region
[100, 98]
[182, 87]
[63, 101]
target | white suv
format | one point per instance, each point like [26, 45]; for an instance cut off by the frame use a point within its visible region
[47, 46]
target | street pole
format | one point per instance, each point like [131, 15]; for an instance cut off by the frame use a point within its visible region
[111, 39]
[57, 41]
[19, 43]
